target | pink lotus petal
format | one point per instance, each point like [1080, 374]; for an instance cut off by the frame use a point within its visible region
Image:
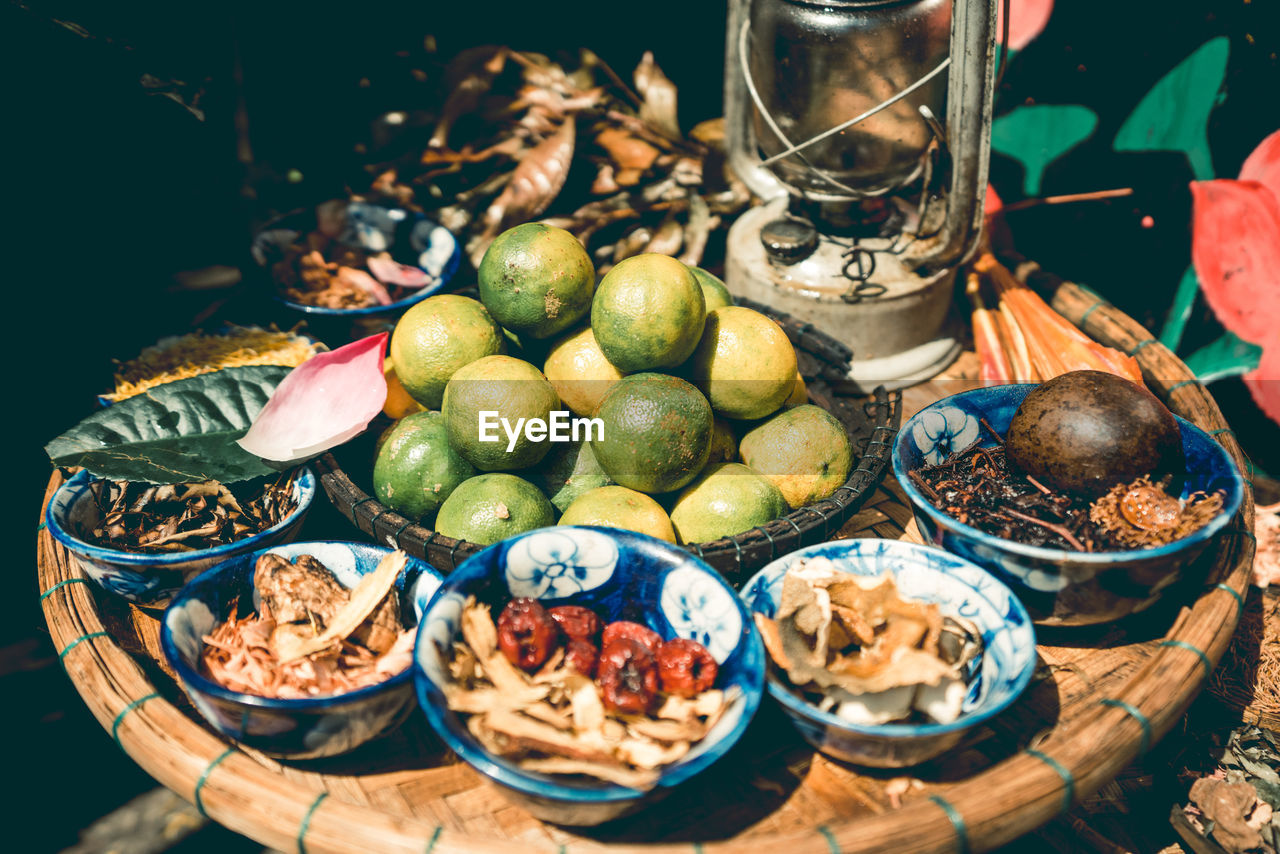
[391, 272]
[1263, 165]
[1264, 383]
[1027, 19]
[322, 403]
[362, 280]
[1235, 247]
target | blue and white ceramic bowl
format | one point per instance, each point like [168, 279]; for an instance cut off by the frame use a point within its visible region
[1058, 586]
[621, 576]
[409, 236]
[960, 589]
[307, 728]
[151, 580]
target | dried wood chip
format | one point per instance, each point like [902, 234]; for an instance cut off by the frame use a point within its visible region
[365, 597]
[622, 776]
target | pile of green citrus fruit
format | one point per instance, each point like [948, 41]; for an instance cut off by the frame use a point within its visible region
[699, 426]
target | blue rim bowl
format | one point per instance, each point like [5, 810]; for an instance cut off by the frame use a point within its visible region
[620, 575]
[151, 580]
[1058, 586]
[303, 728]
[377, 225]
[960, 589]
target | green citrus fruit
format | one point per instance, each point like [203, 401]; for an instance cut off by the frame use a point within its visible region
[799, 394]
[581, 374]
[804, 451]
[726, 499]
[568, 471]
[648, 313]
[436, 337]
[744, 364]
[537, 280]
[482, 394]
[714, 292]
[492, 507]
[657, 432]
[416, 469]
[724, 445]
[619, 507]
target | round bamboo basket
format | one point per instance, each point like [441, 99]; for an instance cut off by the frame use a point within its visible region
[824, 363]
[1100, 697]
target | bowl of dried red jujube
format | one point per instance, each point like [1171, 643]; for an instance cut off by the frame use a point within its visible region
[586, 671]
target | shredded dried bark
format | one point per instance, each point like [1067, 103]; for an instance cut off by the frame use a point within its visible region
[152, 519]
[302, 604]
[977, 487]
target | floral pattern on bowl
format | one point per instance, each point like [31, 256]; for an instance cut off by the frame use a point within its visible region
[1059, 587]
[554, 564]
[307, 728]
[151, 580]
[644, 580]
[959, 589]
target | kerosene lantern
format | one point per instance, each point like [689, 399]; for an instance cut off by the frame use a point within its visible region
[865, 125]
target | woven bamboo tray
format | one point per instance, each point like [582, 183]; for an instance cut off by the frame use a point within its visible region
[823, 361]
[1099, 698]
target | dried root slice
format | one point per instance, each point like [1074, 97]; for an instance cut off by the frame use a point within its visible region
[641, 780]
[872, 656]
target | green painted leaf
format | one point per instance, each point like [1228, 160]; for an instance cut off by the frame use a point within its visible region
[1229, 356]
[180, 431]
[1174, 115]
[1184, 300]
[1037, 135]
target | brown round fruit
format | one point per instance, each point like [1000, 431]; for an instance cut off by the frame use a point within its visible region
[1086, 431]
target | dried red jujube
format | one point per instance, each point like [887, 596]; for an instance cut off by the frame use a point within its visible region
[582, 656]
[576, 621]
[628, 677]
[642, 635]
[526, 633]
[685, 667]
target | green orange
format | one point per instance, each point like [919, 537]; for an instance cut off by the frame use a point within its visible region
[438, 336]
[537, 280]
[648, 313]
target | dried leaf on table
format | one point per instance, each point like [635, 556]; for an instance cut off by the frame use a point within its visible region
[471, 75]
[1229, 806]
[536, 182]
[659, 94]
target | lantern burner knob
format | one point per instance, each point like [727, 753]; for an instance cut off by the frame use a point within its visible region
[789, 240]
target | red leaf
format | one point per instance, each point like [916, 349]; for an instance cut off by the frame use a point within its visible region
[1027, 18]
[1264, 383]
[1263, 165]
[1235, 247]
[322, 403]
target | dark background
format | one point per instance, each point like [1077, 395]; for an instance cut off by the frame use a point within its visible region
[112, 186]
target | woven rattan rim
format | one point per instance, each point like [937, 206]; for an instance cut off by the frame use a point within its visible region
[982, 812]
[736, 557]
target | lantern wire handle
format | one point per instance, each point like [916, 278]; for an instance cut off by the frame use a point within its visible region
[768, 117]
[796, 148]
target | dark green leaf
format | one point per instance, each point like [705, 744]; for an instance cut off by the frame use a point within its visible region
[1229, 356]
[1037, 135]
[1174, 115]
[180, 431]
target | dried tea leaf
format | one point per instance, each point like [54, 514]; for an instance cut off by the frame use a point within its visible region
[365, 597]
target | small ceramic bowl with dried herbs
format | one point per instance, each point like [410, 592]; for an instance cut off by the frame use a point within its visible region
[151, 579]
[984, 629]
[619, 576]
[1060, 586]
[308, 721]
[355, 261]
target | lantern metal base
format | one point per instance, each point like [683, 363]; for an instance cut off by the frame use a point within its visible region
[897, 337]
